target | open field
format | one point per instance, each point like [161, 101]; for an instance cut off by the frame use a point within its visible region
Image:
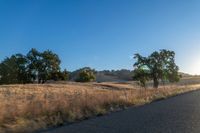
[27, 108]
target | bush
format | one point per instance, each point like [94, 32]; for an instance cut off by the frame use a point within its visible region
[86, 75]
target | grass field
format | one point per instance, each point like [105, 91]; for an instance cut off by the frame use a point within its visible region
[27, 108]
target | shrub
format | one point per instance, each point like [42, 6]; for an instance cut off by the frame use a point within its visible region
[86, 75]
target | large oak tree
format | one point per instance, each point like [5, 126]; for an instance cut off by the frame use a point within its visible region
[159, 66]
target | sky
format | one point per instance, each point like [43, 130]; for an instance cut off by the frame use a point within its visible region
[102, 34]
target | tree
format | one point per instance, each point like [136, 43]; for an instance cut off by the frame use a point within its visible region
[34, 64]
[60, 75]
[158, 66]
[50, 64]
[13, 70]
[141, 75]
[43, 65]
[74, 76]
[23, 74]
[64, 75]
[86, 75]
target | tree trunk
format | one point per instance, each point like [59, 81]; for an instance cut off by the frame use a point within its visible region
[155, 83]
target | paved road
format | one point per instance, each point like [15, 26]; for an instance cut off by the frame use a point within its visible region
[179, 114]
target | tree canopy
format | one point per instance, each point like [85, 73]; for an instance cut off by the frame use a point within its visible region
[43, 65]
[86, 75]
[159, 66]
[35, 66]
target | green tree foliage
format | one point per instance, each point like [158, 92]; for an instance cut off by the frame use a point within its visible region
[14, 70]
[73, 76]
[158, 66]
[50, 64]
[60, 75]
[43, 65]
[64, 75]
[141, 75]
[35, 66]
[86, 75]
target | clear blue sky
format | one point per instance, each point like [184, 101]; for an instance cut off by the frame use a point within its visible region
[102, 34]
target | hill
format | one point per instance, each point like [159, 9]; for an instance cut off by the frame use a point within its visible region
[113, 75]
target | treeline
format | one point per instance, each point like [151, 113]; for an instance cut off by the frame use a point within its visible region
[40, 67]
[33, 67]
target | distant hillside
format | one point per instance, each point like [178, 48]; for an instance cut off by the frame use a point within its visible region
[114, 75]
[123, 75]
[106, 75]
[185, 74]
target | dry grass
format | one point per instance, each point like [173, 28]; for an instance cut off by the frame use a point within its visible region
[26, 108]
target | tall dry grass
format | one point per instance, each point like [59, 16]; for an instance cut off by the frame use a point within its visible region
[26, 108]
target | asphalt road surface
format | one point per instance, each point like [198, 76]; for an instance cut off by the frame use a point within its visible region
[179, 114]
